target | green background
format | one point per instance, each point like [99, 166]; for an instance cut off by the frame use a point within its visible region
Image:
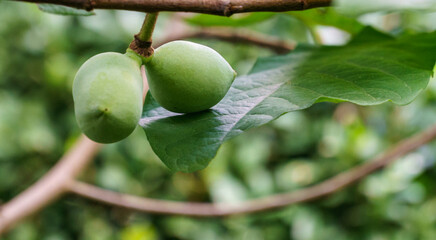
[39, 56]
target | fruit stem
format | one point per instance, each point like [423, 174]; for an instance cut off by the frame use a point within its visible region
[141, 45]
[147, 28]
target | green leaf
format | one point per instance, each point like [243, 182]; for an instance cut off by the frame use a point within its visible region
[358, 7]
[206, 20]
[372, 69]
[328, 17]
[63, 10]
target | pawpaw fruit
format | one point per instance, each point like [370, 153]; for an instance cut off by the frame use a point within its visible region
[186, 77]
[107, 93]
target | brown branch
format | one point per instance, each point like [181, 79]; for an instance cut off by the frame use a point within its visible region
[233, 36]
[218, 7]
[325, 188]
[50, 187]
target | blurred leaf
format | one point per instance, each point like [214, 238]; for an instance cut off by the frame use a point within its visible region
[328, 17]
[63, 10]
[357, 7]
[372, 69]
[206, 20]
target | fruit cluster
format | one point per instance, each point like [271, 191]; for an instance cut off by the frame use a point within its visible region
[184, 77]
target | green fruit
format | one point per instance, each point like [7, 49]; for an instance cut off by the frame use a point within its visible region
[187, 77]
[107, 94]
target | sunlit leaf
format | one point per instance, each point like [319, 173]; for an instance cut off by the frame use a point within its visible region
[137, 231]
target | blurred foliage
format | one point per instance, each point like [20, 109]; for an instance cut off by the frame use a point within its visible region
[357, 7]
[39, 56]
[328, 17]
[206, 20]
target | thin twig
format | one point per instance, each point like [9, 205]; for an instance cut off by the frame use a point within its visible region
[324, 188]
[234, 36]
[218, 7]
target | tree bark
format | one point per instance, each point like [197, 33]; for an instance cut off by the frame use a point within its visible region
[217, 7]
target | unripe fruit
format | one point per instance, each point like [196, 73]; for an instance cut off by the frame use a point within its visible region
[107, 94]
[188, 77]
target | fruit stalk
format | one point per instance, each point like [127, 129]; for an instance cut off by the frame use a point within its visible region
[147, 28]
[142, 42]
